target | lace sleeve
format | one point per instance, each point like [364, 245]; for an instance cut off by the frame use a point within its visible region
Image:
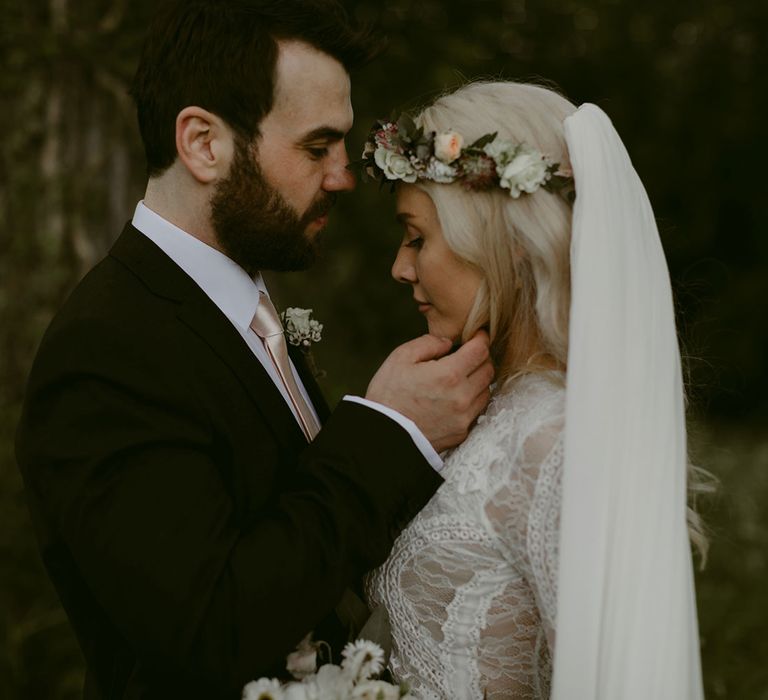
[523, 505]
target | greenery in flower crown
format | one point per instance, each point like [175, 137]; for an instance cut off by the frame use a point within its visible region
[401, 151]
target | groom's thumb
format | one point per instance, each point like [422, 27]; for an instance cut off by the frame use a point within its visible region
[425, 348]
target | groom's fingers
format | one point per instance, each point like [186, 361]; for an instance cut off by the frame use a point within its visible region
[442, 396]
[423, 349]
[471, 356]
[481, 378]
[478, 388]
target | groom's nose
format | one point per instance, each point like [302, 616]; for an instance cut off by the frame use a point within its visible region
[338, 178]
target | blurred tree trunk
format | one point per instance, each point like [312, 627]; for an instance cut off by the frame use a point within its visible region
[71, 168]
[70, 172]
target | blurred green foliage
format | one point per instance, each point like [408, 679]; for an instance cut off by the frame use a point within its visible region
[733, 609]
[684, 83]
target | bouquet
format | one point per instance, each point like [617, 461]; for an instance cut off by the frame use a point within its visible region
[355, 679]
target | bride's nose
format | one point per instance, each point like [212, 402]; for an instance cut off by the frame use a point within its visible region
[403, 269]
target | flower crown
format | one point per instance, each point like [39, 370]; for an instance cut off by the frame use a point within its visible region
[402, 151]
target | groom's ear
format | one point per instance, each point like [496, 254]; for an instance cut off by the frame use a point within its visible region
[204, 144]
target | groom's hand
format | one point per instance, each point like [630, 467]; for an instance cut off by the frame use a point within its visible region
[441, 393]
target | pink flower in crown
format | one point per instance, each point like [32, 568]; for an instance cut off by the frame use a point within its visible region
[386, 137]
[479, 172]
[448, 145]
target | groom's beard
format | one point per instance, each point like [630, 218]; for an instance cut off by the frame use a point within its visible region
[254, 224]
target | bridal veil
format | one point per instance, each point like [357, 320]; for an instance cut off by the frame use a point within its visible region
[626, 613]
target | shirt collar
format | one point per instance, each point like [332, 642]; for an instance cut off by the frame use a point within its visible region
[223, 280]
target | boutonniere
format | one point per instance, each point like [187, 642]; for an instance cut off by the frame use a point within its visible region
[303, 331]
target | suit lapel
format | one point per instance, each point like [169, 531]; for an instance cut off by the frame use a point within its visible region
[215, 329]
[166, 279]
[310, 383]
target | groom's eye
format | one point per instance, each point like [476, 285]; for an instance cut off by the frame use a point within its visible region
[317, 152]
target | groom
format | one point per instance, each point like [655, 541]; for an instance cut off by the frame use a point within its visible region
[192, 530]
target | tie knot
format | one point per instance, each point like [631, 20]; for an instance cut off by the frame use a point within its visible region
[266, 322]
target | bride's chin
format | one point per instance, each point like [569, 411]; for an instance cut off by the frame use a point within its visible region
[439, 330]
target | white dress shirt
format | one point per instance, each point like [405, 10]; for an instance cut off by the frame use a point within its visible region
[236, 295]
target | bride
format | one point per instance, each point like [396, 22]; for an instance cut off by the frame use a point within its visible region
[561, 531]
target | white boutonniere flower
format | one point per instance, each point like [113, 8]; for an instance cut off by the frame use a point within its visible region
[300, 328]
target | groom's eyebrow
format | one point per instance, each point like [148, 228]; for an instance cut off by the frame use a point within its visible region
[324, 133]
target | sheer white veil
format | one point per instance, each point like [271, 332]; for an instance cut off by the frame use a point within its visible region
[626, 612]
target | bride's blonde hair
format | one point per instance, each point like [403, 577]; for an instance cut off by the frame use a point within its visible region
[521, 246]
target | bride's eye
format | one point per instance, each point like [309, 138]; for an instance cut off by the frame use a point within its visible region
[415, 243]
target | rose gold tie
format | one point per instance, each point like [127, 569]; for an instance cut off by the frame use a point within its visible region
[266, 324]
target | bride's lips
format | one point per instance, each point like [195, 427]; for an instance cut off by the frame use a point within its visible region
[424, 306]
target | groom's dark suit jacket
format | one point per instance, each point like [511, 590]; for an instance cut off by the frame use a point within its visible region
[193, 536]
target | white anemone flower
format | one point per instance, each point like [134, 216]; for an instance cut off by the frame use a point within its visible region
[263, 689]
[375, 690]
[363, 659]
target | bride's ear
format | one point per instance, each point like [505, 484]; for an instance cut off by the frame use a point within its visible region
[204, 143]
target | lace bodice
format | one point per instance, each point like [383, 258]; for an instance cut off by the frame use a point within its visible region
[470, 585]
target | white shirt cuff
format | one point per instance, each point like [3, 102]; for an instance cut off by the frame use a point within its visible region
[421, 442]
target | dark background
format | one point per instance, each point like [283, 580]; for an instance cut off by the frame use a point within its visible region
[684, 82]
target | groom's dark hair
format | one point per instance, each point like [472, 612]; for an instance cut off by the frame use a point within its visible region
[221, 54]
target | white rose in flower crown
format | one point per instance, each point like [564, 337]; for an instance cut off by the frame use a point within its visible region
[501, 151]
[394, 165]
[448, 145]
[525, 173]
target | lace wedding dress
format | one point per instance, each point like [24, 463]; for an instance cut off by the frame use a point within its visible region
[470, 585]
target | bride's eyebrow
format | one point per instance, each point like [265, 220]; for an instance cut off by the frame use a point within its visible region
[403, 217]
